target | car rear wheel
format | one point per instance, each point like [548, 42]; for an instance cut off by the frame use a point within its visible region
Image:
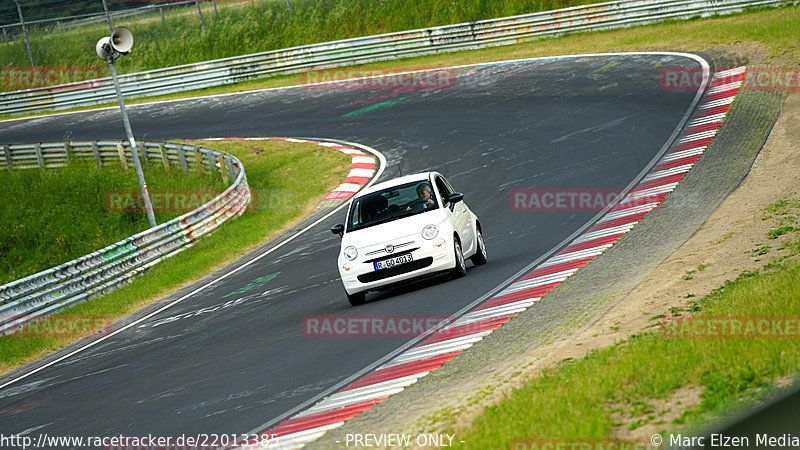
[479, 257]
[357, 299]
[461, 266]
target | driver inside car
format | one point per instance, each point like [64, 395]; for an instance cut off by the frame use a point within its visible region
[424, 200]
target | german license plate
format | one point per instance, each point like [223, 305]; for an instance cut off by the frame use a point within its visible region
[388, 263]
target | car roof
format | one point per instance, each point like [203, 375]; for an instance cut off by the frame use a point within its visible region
[422, 176]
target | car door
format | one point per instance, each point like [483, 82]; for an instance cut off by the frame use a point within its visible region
[458, 215]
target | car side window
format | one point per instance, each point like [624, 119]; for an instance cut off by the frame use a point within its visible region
[356, 213]
[449, 187]
[444, 188]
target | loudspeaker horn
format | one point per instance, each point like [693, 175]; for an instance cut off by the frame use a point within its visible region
[122, 40]
[103, 48]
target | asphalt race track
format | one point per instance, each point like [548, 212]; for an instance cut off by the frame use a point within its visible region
[593, 122]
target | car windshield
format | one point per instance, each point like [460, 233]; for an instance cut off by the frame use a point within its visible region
[391, 204]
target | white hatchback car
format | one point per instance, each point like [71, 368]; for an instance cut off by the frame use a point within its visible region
[405, 228]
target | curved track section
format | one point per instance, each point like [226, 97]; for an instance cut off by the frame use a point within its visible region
[233, 357]
[441, 346]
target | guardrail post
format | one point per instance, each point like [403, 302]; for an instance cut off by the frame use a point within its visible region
[164, 159]
[212, 163]
[223, 169]
[7, 152]
[97, 156]
[67, 151]
[182, 158]
[143, 155]
[198, 159]
[122, 159]
[231, 168]
[163, 21]
[39, 157]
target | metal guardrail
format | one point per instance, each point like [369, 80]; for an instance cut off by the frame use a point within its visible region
[448, 38]
[102, 271]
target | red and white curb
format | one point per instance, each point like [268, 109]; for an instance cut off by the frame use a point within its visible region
[362, 168]
[440, 347]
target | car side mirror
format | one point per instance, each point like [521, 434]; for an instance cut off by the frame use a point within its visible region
[338, 229]
[455, 197]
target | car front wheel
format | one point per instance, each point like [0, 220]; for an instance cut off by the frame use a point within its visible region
[461, 266]
[479, 257]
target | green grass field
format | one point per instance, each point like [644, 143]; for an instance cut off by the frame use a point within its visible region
[82, 225]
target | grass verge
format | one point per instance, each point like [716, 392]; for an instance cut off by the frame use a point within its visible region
[635, 382]
[274, 170]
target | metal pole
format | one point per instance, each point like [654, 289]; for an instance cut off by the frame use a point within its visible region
[289, 6]
[200, 13]
[136, 163]
[25, 31]
[108, 17]
[163, 21]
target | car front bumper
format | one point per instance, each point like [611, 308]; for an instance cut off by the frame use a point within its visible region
[431, 257]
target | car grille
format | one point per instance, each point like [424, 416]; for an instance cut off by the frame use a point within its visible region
[396, 246]
[396, 270]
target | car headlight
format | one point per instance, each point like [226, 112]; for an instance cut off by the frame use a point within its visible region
[430, 232]
[350, 252]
